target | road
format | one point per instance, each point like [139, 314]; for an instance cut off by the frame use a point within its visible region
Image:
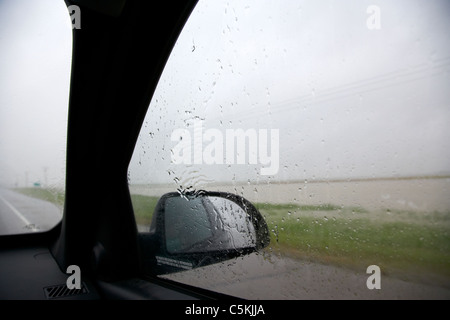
[267, 276]
[22, 214]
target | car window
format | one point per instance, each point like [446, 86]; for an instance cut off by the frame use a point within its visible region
[35, 60]
[332, 119]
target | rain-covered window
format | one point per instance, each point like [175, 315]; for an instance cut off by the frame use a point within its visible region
[35, 61]
[331, 117]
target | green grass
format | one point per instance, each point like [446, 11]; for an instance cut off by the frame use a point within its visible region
[143, 207]
[54, 196]
[352, 238]
[321, 207]
[276, 209]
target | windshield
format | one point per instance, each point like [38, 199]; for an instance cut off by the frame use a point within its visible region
[332, 118]
[36, 42]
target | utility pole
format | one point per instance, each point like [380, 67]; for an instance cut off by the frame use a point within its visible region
[45, 176]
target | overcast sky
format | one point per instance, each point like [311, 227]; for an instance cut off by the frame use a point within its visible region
[35, 57]
[347, 101]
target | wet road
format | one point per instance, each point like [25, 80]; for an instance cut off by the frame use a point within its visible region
[23, 214]
[269, 277]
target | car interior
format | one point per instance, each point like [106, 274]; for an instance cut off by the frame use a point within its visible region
[118, 57]
[288, 151]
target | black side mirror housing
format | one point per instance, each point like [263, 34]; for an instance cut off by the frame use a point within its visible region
[201, 228]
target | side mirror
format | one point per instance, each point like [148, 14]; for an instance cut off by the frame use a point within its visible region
[201, 228]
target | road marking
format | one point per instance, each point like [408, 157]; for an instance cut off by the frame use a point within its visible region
[28, 224]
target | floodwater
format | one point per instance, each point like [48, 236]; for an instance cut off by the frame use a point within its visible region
[411, 194]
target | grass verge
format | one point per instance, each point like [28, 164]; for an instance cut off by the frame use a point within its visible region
[354, 239]
[143, 207]
[54, 196]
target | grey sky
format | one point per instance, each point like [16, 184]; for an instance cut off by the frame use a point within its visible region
[35, 57]
[348, 101]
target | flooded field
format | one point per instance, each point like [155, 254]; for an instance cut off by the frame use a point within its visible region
[404, 194]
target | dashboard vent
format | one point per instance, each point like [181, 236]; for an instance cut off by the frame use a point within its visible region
[61, 291]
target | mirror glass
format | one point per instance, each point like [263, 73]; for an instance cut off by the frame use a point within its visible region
[206, 223]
